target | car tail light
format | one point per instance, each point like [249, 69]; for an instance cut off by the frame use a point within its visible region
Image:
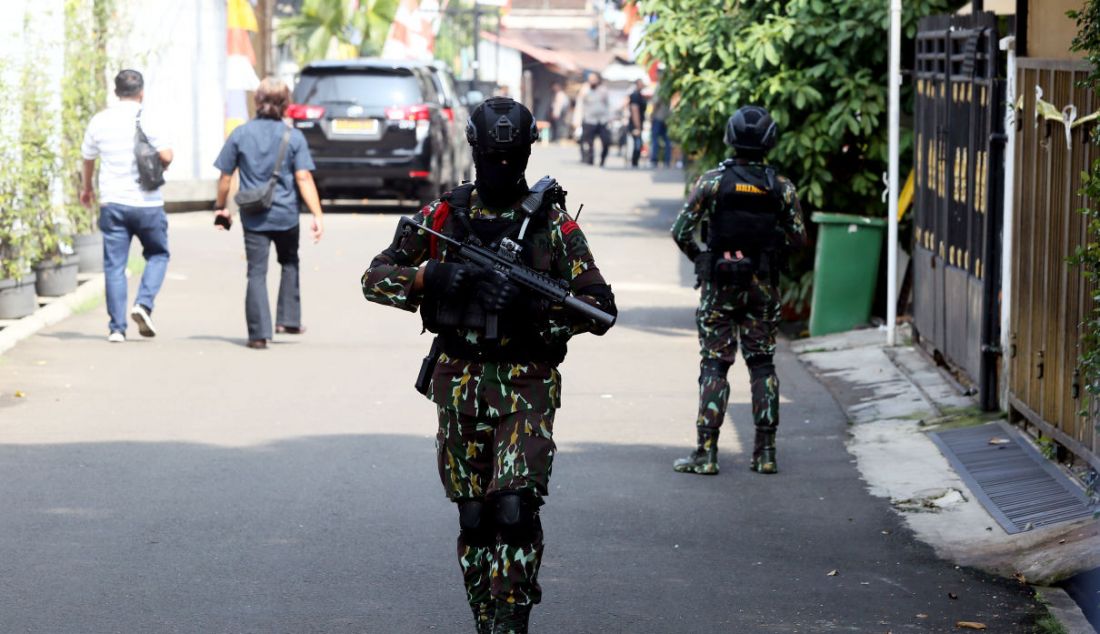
[409, 113]
[450, 112]
[300, 111]
[419, 174]
[418, 117]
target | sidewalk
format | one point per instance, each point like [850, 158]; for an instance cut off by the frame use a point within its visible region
[894, 397]
[52, 310]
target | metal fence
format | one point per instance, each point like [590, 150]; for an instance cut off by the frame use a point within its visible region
[958, 197]
[1051, 298]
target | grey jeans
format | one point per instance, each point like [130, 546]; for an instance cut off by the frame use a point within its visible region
[257, 309]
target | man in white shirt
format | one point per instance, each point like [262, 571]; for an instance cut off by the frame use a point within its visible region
[126, 209]
[591, 117]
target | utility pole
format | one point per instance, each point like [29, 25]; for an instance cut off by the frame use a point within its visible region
[265, 10]
[892, 178]
[477, 41]
[601, 28]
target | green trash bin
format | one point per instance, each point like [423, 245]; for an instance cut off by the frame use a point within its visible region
[845, 271]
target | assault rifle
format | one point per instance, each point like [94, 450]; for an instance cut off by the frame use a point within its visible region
[505, 265]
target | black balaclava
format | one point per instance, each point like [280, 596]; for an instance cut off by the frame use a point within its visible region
[500, 132]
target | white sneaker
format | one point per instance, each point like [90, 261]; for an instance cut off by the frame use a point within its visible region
[143, 320]
[116, 337]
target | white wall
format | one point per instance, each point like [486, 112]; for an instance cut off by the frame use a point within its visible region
[507, 72]
[179, 46]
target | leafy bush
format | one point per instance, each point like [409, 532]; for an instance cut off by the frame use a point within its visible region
[17, 244]
[83, 93]
[1087, 257]
[38, 166]
[819, 67]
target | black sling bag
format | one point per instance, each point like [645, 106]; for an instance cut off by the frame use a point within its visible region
[260, 199]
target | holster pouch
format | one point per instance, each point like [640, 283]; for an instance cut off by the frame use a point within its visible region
[733, 270]
[427, 367]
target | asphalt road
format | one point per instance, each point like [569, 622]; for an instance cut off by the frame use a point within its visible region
[188, 484]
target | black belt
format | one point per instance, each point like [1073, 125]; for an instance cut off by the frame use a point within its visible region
[517, 351]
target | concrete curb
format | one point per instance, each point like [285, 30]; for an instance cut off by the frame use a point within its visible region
[57, 310]
[1065, 609]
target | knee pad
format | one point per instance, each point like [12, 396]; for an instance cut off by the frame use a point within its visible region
[760, 367]
[517, 518]
[476, 523]
[713, 368]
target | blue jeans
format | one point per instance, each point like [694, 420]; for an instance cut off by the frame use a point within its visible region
[119, 224]
[659, 134]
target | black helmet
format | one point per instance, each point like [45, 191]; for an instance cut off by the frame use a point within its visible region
[501, 124]
[751, 128]
[501, 132]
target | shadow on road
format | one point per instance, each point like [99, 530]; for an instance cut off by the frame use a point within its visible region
[350, 533]
[659, 320]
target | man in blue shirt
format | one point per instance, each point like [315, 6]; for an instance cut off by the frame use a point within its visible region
[252, 150]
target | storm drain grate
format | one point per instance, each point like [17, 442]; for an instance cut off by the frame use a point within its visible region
[1020, 489]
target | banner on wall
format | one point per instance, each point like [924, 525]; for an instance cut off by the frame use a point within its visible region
[412, 34]
[240, 63]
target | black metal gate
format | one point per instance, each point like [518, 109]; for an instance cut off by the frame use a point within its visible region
[959, 148]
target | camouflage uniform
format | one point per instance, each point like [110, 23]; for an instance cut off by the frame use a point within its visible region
[728, 315]
[495, 418]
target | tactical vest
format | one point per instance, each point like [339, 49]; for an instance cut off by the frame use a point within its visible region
[746, 217]
[517, 325]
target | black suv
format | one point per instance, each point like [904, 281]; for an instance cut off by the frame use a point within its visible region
[375, 128]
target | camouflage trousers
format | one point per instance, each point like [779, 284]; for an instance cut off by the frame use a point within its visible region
[480, 457]
[726, 318]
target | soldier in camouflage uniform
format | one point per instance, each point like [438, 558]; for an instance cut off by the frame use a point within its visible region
[737, 225]
[496, 398]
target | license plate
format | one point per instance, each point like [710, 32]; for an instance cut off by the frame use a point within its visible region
[355, 126]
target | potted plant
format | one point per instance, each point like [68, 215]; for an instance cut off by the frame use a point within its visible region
[17, 244]
[17, 239]
[83, 93]
[36, 173]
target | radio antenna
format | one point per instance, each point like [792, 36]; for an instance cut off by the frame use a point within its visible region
[579, 210]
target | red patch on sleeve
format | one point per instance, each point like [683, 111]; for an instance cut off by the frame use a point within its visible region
[569, 227]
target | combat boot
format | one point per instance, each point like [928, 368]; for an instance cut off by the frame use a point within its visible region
[511, 618]
[704, 460]
[763, 453]
[483, 617]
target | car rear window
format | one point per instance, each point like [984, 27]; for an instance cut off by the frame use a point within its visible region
[358, 87]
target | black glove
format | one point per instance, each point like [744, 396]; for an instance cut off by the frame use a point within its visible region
[496, 294]
[446, 279]
[704, 266]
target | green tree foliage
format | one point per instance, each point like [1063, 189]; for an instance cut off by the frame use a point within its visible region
[1087, 257]
[325, 28]
[83, 93]
[820, 68]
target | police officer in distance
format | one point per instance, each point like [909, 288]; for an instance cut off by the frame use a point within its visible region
[495, 396]
[738, 225]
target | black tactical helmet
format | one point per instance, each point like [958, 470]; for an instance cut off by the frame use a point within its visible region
[501, 124]
[751, 128]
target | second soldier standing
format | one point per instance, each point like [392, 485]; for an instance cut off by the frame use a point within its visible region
[738, 225]
[496, 396]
